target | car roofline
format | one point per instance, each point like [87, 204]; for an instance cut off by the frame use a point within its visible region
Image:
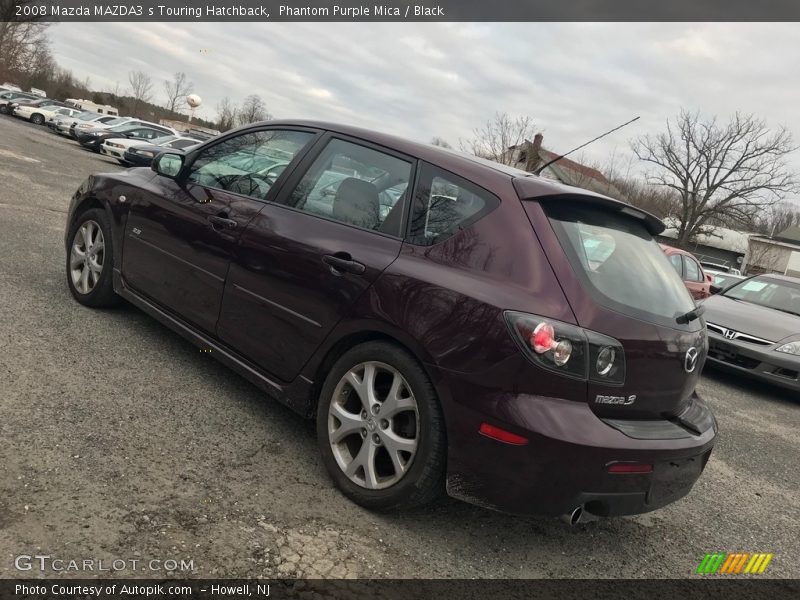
[528, 185]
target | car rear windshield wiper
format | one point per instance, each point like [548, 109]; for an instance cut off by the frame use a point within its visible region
[691, 315]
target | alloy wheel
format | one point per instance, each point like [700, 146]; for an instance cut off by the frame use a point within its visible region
[87, 257]
[373, 425]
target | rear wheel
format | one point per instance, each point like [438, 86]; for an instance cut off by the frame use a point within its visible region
[90, 260]
[380, 429]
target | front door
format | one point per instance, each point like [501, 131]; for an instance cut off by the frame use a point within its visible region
[181, 233]
[306, 259]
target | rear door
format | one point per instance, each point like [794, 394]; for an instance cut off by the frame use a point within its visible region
[305, 259]
[182, 233]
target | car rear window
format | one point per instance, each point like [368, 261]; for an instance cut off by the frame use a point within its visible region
[619, 263]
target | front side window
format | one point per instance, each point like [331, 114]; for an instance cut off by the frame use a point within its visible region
[356, 185]
[619, 263]
[249, 163]
[444, 205]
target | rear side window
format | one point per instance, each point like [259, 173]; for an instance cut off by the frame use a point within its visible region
[444, 204]
[619, 263]
[677, 263]
[693, 272]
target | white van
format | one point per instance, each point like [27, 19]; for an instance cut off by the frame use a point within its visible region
[103, 109]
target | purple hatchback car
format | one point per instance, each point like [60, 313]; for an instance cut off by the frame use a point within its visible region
[451, 323]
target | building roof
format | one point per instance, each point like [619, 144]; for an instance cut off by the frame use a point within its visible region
[570, 172]
[775, 242]
[790, 234]
[721, 238]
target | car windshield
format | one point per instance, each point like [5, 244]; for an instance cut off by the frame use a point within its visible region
[767, 291]
[723, 280]
[87, 116]
[117, 121]
[619, 263]
[164, 139]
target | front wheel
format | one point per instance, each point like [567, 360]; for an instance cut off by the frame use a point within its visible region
[90, 260]
[380, 429]
[37, 119]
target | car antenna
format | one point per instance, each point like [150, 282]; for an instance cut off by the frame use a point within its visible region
[557, 158]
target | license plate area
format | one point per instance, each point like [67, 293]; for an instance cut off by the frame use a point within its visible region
[673, 478]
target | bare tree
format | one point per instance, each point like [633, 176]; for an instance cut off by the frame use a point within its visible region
[227, 114]
[177, 90]
[441, 142]
[253, 109]
[720, 173]
[24, 46]
[497, 136]
[141, 89]
[777, 218]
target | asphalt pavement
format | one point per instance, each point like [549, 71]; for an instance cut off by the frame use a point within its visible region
[121, 441]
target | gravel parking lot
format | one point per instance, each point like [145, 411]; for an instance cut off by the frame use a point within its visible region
[119, 440]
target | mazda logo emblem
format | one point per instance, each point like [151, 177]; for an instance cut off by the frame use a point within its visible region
[690, 362]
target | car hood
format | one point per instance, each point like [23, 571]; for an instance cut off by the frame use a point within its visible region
[753, 319]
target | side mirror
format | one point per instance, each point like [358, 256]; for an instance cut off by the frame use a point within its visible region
[715, 289]
[168, 164]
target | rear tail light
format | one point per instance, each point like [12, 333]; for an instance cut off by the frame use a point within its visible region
[568, 349]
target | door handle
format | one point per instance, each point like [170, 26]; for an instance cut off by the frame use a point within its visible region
[218, 222]
[342, 262]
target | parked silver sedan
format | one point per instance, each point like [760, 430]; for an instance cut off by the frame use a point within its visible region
[754, 328]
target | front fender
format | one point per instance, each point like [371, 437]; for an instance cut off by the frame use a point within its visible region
[105, 190]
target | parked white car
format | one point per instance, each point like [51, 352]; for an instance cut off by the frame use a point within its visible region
[116, 147]
[39, 115]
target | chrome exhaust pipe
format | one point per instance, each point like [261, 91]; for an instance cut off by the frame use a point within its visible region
[578, 515]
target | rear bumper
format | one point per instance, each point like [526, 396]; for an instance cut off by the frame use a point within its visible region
[760, 362]
[564, 463]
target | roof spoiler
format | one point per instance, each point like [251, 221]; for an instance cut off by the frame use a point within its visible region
[530, 188]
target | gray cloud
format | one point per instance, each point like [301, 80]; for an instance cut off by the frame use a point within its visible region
[419, 80]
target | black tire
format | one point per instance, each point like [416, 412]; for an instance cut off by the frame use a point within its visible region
[3, 109]
[37, 119]
[423, 483]
[102, 293]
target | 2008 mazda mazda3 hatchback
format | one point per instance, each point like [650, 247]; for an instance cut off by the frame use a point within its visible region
[451, 323]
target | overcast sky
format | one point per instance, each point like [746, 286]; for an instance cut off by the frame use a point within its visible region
[576, 80]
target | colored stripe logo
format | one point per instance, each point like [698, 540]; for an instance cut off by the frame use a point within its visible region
[734, 563]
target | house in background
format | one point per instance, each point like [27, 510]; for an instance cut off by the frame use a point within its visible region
[718, 245]
[777, 254]
[530, 156]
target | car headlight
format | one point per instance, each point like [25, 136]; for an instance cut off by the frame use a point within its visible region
[145, 153]
[790, 348]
